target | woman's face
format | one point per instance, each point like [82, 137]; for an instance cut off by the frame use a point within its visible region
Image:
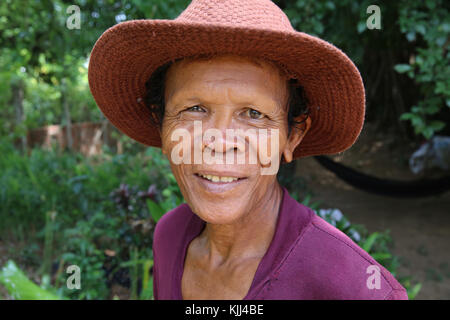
[213, 115]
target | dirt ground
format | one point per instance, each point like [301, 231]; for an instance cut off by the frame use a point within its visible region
[420, 227]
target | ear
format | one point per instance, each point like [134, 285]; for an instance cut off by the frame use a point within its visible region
[297, 134]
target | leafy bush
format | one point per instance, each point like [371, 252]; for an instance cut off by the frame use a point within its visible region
[413, 40]
[20, 287]
[100, 213]
[95, 213]
[426, 24]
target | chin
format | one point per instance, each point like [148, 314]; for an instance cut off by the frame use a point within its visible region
[217, 212]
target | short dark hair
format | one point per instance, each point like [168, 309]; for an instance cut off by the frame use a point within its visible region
[155, 88]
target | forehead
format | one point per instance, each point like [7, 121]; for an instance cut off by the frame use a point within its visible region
[256, 76]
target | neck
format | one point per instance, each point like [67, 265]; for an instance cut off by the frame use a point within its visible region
[249, 237]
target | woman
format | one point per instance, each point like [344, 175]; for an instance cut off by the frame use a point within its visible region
[229, 90]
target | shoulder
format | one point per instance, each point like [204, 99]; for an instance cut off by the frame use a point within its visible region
[167, 241]
[359, 271]
[324, 263]
[170, 228]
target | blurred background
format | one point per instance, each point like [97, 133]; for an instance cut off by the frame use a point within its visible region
[75, 191]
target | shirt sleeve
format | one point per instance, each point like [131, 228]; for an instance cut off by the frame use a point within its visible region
[155, 277]
[397, 294]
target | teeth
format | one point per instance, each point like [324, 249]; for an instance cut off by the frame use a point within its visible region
[217, 178]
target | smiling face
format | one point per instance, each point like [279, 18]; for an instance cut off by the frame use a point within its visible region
[223, 93]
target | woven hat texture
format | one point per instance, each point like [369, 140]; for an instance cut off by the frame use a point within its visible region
[126, 55]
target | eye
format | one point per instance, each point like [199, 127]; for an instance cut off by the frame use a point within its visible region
[254, 114]
[195, 108]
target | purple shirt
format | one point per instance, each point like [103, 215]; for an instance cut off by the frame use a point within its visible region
[308, 258]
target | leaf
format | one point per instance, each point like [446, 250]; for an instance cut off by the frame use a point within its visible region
[307, 200]
[417, 122]
[156, 211]
[407, 116]
[428, 132]
[20, 287]
[411, 36]
[402, 68]
[147, 264]
[437, 125]
[361, 27]
[432, 109]
[414, 291]
[420, 28]
[147, 292]
[367, 245]
[379, 256]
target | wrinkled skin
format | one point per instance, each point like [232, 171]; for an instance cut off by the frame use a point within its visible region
[228, 92]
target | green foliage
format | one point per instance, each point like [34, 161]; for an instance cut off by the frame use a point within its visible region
[287, 178]
[99, 213]
[157, 9]
[20, 287]
[51, 59]
[414, 37]
[414, 40]
[426, 24]
[342, 23]
[80, 249]
[156, 210]
[87, 212]
[413, 290]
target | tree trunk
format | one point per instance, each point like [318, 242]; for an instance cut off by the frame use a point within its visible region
[105, 131]
[18, 96]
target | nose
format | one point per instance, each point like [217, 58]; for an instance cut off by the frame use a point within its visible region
[220, 134]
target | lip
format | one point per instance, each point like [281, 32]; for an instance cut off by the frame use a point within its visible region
[222, 174]
[219, 187]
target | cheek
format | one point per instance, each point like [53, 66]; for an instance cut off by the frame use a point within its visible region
[177, 138]
[272, 143]
[165, 143]
[170, 132]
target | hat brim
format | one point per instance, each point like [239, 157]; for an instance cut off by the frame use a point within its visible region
[126, 55]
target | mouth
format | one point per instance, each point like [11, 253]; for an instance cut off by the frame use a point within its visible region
[220, 183]
[219, 179]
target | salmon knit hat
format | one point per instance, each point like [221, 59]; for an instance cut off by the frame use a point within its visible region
[126, 55]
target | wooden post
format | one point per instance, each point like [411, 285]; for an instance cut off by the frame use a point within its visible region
[67, 116]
